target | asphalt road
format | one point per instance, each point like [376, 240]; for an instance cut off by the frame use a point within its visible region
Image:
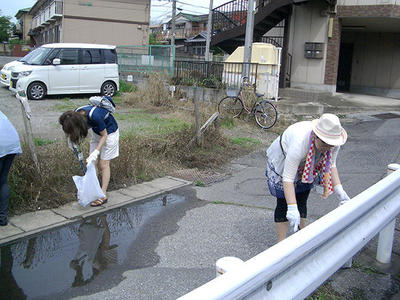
[175, 250]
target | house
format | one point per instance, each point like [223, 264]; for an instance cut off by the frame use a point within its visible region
[186, 26]
[328, 45]
[116, 22]
[23, 25]
[196, 45]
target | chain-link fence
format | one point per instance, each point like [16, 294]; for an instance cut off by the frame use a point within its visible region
[146, 59]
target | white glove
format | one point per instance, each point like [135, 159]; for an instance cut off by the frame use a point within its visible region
[293, 216]
[71, 145]
[341, 194]
[92, 157]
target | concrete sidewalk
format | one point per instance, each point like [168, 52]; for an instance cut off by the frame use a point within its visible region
[28, 224]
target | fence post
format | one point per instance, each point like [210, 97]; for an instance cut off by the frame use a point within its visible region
[26, 115]
[197, 117]
[385, 241]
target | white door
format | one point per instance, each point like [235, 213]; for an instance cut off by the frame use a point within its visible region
[91, 71]
[64, 78]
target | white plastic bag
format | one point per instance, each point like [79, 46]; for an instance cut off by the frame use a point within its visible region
[88, 186]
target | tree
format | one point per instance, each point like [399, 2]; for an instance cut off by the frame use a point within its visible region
[5, 28]
[153, 39]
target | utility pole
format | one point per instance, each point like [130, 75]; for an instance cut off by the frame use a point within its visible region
[209, 24]
[248, 39]
[173, 34]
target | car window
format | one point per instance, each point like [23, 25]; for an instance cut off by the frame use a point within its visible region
[52, 55]
[91, 56]
[110, 56]
[37, 56]
[69, 56]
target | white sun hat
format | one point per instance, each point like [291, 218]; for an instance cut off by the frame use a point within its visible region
[329, 130]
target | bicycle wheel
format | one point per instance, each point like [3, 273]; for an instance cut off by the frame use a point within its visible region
[230, 107]
[265, 114]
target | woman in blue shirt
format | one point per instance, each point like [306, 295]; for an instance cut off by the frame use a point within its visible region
[104, 140]
[9, 147]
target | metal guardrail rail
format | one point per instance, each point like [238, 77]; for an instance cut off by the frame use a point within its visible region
[295, 267]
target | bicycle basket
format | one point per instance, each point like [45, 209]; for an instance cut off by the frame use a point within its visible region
[232, 91]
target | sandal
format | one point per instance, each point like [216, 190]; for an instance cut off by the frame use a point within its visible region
[98, 202]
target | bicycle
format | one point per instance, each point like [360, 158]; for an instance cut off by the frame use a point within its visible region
[264, 111]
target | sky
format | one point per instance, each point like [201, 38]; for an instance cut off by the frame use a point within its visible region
[160, 9]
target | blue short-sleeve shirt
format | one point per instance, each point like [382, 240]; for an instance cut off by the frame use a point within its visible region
[99, 120]
[9, 139]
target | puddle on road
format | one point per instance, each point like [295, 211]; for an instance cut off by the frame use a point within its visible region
[72, 256]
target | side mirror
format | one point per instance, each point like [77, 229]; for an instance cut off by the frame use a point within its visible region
[56, 61]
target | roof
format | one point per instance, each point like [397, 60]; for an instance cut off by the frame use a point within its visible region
[191, 17]
[200, 37]
[194, 18]
[78, 45]
[21, 12]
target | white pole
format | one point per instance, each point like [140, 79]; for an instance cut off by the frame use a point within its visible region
[385, 241]
[209, 24]
[248, 41]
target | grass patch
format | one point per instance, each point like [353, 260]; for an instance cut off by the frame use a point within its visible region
[65, 106]
[148, 123]
[42, 142]
[244, 141]
[200, 183]
[227, 123]
[325, 292]
[127, 87]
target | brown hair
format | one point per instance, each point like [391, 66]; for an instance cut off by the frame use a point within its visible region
[74, 125]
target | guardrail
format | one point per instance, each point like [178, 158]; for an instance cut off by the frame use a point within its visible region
[295, 267]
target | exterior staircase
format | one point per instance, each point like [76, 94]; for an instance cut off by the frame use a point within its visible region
[229, 21]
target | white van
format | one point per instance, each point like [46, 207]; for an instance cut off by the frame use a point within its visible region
[67, 68]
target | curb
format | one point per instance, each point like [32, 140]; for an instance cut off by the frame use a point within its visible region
[32, 223]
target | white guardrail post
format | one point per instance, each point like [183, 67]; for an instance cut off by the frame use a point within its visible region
[295, 267]
[385, 241]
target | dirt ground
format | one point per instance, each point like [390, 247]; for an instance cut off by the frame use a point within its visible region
[45, 114]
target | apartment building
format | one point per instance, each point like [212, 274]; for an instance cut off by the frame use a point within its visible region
[115, 22]
[23, 25]
[349, 45]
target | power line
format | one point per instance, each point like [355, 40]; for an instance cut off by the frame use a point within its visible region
[192, 5]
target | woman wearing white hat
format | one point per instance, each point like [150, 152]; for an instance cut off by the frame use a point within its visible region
[303, 156]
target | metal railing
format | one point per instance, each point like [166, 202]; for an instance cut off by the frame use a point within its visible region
[232, 14]
[212, 74]
[295, 267]
[47, 14]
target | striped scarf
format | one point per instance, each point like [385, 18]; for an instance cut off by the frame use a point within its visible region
[323, 168]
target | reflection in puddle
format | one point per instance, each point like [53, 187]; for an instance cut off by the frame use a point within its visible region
[72, 256]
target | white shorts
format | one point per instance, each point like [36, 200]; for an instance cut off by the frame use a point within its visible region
[110, 148]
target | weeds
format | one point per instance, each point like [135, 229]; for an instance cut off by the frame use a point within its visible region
[155, 147]
[200, 183]
[42, 142]
[245, 141]
[126, 87]
[325, 292]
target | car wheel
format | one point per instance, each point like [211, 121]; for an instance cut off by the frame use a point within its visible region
[108, 89]
[36, 91]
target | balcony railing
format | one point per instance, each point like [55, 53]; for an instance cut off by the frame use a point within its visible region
[48, 14]
[181, 33]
